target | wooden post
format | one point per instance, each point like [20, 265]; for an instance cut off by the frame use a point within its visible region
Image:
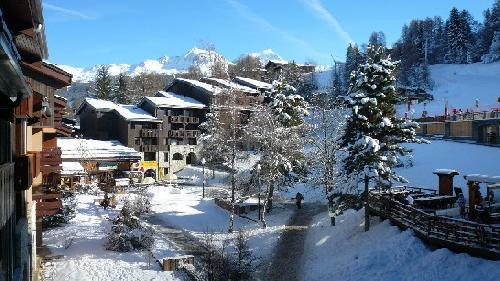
[367, 212]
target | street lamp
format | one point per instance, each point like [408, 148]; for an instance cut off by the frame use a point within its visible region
[258, 182]
[203, 161]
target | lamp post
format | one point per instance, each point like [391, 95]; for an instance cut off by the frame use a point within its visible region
[203, 161]
[258, 182]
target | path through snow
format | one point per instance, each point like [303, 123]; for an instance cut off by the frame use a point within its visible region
[287, 260]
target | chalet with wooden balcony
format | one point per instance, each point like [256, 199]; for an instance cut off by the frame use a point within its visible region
[27, 85]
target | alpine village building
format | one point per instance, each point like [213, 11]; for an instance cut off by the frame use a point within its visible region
[30, 120]
[164, 128]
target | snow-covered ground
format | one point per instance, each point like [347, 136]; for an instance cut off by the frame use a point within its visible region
[463, 157]
[460, 85]
[345, 252]
[82, 243]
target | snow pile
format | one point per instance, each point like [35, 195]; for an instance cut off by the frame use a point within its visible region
[128, 112]
[345, 252]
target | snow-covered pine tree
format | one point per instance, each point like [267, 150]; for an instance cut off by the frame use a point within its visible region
[352, 61]
[327, 123]
[289, 107]
[493, 54]
[459, 36]
[224, 134]
[121, 93]
[103, 84]
[371, 144]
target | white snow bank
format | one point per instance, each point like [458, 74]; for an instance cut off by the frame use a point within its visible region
[345, 252]
[173, 100]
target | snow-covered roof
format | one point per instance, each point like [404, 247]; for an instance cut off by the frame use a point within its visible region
[446, 172]
[74, 149]
[482, 178]
[232, 85]
[127, 112]
[134, 113]
[252, 83]
[72, 168]
[205, 86]
[173, 100]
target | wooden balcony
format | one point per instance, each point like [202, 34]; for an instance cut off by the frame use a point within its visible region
[149, 148]
[51, 156]
[184, 133]
[47, 204]
[184, 119]
[149, 133]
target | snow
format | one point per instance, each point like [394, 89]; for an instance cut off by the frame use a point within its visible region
[204, 59]
[72, 168]
[266, 55]
[86, 257]
[462, 157]
[232, 85]
[252, 83]
[345, 252]
[196, 83]
[127, 112]
[461, 85]
[482, 178]
[89, 149]
[445, 172]
[173, 100]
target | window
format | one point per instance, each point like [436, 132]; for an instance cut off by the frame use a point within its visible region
[173, 141]
[165, 141]
[177, 156]
[149, 156]
[165, 171]
[165, 156]
[137, 141]
[132, 125]
[192, 141]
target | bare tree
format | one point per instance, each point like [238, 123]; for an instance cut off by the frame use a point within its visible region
[247, 66]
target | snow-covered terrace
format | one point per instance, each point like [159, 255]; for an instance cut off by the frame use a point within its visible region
[95, 150]
[164, 99]
[127, 112]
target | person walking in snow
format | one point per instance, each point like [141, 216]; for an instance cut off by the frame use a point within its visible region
[298, 199]
[105, 202]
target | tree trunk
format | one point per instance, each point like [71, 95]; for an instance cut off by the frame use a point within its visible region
[367, 212]
[331, 211]
[269, 199]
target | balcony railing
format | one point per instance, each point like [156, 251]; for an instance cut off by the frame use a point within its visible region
[150, 133]
[149, 148]
[51, 156]
[184, 133]
[184, 119]
[47, 204]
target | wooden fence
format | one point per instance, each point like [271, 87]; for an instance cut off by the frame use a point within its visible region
[455, 234]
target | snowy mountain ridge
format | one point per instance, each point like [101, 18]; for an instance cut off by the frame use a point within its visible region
[202, 58]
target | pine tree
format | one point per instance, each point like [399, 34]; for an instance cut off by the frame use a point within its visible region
[493, 54]
[459, 36]
[289, 107]
[370, 145]
[337, 89]
[122, 91]
[103, 84]
[353, 60]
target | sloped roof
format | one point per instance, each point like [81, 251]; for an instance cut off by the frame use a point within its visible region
[230, 85]
[74, 149]
[127, 112]
[252, 83]
[164, 99]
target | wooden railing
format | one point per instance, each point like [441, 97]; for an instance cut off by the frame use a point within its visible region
[150, 133]
[184, 119]
[47, 204]
[6, 192]
[184, 133]
[51, 156]
[458, 235]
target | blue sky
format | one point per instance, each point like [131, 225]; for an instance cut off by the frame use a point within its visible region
[88, 32]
